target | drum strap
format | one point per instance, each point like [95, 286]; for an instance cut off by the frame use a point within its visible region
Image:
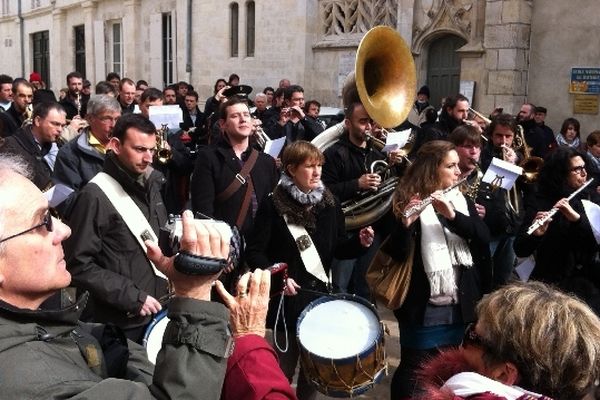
[308, 252]
[132, 215]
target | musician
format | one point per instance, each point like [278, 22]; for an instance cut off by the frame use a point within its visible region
[504, 209]
[170, 95]
[79, 160]
[192, 116]
[291, 122]
[48, 353]
[540, 141]
[73, 103]
[566, 252]
[36, 142]
[346, 174]
[12, 119]
[104, 254]
[454, 113]
[301, 199]
[262, 112]
[126, 96]
[451, 266]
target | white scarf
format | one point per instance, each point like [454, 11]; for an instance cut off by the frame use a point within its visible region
[469, 383]
[443, 252]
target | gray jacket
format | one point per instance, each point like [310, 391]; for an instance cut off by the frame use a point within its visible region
[40, 357]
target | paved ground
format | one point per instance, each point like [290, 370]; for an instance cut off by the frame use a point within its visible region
[381, 391]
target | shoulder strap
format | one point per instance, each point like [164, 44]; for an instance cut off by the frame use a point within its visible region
[308, 252]
[132, 215]
[240, 178]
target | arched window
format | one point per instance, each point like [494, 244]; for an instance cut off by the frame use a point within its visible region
[233, 31]
[250, 28]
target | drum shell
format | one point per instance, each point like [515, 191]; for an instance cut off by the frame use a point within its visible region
[348, 376]
[152, 341]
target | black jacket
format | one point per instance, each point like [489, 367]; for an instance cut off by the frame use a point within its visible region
[23, 144]
[436, 131]
[344, 164]
[540, 141]
[70, 107]
[474, 281]
[10, 121]
[216, 167]
[103, 256]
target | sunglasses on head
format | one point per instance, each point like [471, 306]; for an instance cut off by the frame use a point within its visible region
[46, 221]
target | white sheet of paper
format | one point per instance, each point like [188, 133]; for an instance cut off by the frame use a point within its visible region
[525, 267]
[502, 173]
[171, 115]
[273, 147]
[592, 210]
[396, 140]
[57, 194]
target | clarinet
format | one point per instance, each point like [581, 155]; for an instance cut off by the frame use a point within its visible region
[541, 221]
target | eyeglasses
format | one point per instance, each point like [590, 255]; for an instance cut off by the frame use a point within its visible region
[47, 222]
[579, 169]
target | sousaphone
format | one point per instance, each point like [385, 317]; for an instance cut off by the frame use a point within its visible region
[384, 82]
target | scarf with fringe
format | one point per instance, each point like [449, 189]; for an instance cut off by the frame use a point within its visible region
[560, 139]
[443, 252]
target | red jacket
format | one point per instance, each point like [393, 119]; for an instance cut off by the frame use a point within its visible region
[253, 372]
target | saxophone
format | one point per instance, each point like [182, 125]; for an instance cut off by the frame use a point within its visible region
[472, 188]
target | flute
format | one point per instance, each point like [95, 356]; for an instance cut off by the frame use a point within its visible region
[541, 221]
[427, 200]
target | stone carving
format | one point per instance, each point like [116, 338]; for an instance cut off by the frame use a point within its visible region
[349, 17]
[442, 15]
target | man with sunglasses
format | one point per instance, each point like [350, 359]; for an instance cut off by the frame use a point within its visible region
[110, 218]
[36, 142]
[46, 352]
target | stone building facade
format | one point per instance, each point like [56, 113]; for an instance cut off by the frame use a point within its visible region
[503, 52]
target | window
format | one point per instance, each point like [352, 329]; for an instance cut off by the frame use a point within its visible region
[250, 27]
[79, 34]
[234, 29]
[116, 48]
[41, 55]
[167, 49]
[5, 7]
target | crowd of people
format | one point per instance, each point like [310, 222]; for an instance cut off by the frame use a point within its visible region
[77, 294]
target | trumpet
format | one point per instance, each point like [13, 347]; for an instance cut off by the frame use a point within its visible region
[28, 113]
[541, 221]
[416, 209]
[261, 137]
[163, 152]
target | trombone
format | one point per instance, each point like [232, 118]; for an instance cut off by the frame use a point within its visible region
[479, 115]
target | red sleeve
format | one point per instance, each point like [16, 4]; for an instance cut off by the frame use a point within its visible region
[253, 372]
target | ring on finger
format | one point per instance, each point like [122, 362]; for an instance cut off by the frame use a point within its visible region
[242, 295]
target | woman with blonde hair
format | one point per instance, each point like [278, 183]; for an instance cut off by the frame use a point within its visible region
[450, 264]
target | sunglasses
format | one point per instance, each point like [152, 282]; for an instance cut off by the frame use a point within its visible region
[46, 221]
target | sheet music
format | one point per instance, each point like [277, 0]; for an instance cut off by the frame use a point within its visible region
[273, 147]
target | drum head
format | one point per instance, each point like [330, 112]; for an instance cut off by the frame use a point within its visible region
[154, 335]
[338, 329]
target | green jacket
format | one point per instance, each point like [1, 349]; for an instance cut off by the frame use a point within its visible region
[40, 357]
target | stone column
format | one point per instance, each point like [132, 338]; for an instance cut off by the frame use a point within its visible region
[406, 10]
[507, 44]
[59, 47]
[131, 48]
[89, 8]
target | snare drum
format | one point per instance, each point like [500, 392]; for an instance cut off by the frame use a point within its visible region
[154, 335]
[341, 345]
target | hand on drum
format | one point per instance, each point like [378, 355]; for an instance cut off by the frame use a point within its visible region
[150, 306]
[200, 239]
[290, 287]
[249, 308]
[366, 236]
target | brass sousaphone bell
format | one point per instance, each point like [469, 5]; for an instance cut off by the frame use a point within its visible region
[385, 83]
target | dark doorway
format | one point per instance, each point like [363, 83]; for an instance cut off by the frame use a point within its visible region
[41, 55]
[443, 68]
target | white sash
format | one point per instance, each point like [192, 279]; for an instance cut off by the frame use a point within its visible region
[132, 215]
[308, 252]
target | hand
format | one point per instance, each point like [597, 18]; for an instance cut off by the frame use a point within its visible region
[150, 306]
[77, 123]
[542, 229]
[296, 112]
[249, 308]
[509, 154]
[369, 181]
[396, 156]
[200, 239]
[414, 202]
[565, 208]
[480, 210]
[366, 236]
[284, 116]
[290, 287]
[442, 205]
[219, 96]
[473, 124]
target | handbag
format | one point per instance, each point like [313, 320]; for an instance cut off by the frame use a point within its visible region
[389, 279]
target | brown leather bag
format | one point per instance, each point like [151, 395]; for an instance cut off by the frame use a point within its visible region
[389, 279]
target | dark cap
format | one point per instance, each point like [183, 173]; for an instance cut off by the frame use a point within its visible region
[540, 109]
[424, 90]
[87, 83]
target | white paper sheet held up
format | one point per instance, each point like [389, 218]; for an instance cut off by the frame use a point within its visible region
[396, 140]
[273, 147]
[170, 115]
[57, 194]
[592, 210]
[502, 174]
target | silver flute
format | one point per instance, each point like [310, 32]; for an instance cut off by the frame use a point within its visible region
[417, 208]
[541, 221]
